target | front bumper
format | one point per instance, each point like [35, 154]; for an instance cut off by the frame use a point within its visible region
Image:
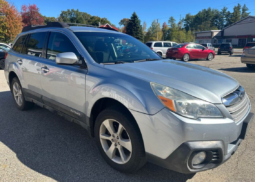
[170, 142]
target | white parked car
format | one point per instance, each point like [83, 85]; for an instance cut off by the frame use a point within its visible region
[160, 47]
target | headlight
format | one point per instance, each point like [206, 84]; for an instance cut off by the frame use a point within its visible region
[185, 104]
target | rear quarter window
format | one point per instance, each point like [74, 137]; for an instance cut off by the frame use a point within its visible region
[19, 43]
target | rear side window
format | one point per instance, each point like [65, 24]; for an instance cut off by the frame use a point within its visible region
[190, 46]
[149, 44]
[250, 44]
[59, 43]
[158, 44]
[34, 45]
[167, 44]
[19, 43]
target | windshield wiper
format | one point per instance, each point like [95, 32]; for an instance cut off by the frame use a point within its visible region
[116, 62]
[148, 59]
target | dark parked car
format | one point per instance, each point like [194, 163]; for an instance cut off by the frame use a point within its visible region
[225, 48]
[3, 55]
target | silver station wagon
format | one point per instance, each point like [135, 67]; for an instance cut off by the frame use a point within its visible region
[138, 107]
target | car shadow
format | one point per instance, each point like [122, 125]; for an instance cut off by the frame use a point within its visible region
[61, 150]
[235, 55]
[238, 69]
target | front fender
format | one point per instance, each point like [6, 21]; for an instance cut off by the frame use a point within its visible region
[118, 93]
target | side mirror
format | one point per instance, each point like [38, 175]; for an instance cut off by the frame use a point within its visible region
[66, 58]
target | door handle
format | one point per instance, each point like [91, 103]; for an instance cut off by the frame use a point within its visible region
[45, 69]
[20, 61]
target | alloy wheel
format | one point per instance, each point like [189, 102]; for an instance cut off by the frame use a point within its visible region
[186, 57]
[210, 57]
[17, 93]
[115, 141]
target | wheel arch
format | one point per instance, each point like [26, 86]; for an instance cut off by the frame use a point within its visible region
[104, 103]
[12, 75]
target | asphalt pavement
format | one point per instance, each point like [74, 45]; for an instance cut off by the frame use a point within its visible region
[37, 145]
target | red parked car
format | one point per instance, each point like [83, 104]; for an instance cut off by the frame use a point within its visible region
[249, 45]
[187, 51]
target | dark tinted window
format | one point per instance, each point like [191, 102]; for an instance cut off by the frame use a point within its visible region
[34, 45]
[225, 45]
[167, 44]
[204, 45]
[19, 43]
[149, 44]
[250, 44]
[158, 44]
[59, 43]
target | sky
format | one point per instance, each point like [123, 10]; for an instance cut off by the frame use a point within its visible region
[115, 10]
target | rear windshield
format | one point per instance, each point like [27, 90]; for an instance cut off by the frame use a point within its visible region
[149, 44]
[250, 44]
[225, 45]
[179, 45]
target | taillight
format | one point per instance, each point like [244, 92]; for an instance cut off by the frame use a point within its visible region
[151, 48]
[219, 48]
[5, 55]
[230, 47]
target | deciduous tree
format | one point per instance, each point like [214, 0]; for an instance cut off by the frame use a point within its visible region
[31, 16]
[10, 21]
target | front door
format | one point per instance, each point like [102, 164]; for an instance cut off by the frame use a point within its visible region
[63, 86]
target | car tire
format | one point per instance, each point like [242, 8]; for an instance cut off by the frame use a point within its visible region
[210, 57]
[17, 93]
[219, 53]
[185, 57]
[2, 63]
[251, 66]
[110, 143]
[159, 53]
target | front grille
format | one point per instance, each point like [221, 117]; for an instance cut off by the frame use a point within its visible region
[239, 109]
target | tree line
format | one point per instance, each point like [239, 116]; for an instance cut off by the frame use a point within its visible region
[12, 22]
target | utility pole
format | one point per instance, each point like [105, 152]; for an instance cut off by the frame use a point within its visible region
[157, 29]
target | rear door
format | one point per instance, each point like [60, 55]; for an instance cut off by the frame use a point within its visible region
[63, 85]
[30, 60]
[158, 47]
[192, 51]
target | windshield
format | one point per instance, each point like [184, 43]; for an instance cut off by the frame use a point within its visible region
[112, 47]
[204, 45]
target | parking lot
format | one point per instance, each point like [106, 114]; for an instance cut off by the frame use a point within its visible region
[37, 145]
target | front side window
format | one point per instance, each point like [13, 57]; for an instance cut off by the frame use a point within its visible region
[114, 47]
[167, 44]
[19, 43]
[59, 43]
[34, 45]
[158, 44]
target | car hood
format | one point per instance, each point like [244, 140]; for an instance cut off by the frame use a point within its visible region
[198, 81]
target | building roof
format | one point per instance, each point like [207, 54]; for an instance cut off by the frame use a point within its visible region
[208, 31]
[108, 25]
[239, 21]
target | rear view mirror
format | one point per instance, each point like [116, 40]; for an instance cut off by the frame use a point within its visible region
[66, 58]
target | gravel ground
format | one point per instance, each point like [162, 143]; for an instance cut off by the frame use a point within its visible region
[37, 145]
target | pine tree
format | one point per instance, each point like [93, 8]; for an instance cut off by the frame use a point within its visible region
[245, 12]
[134, 27]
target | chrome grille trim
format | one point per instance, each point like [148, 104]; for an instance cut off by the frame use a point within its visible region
[240, 109]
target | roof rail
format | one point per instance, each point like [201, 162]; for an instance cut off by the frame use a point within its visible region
[60, 25]
[49, 24]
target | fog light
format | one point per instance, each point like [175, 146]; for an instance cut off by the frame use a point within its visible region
[199, 158]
